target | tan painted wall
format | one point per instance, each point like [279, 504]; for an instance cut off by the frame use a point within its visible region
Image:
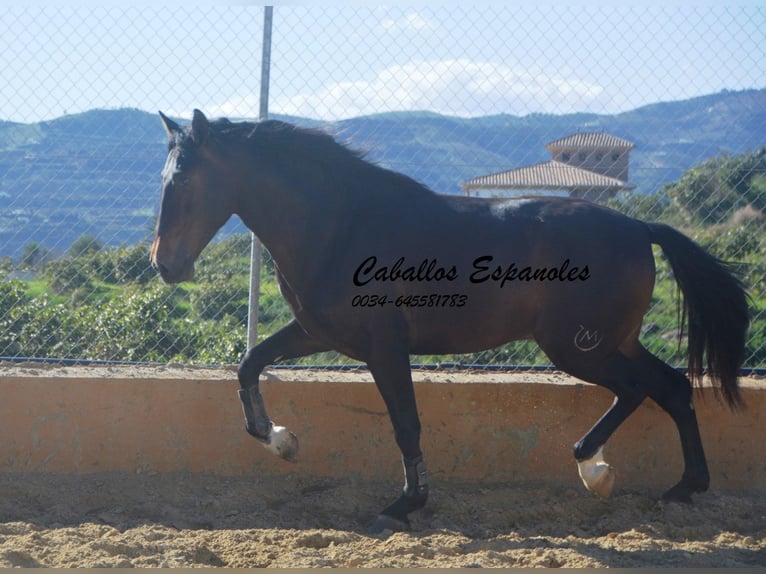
[599, 160]
[487, 427]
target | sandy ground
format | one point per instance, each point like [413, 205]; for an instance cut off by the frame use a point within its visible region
[183, 519]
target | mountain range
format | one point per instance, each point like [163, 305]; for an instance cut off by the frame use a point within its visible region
[98, 172]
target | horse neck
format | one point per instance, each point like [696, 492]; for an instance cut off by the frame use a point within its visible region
[294, 219]
[297, 211]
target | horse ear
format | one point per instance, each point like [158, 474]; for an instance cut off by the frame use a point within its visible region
[170, 126]
[200, 127]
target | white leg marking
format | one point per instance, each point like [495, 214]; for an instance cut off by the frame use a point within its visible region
[282, 442]
[597, 475]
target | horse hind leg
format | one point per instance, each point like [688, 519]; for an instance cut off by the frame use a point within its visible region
[672, 391]
[596, 474]
[617, 373]
[632, 379]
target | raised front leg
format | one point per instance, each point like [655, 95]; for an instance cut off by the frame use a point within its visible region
[393, 378]
[288, 343]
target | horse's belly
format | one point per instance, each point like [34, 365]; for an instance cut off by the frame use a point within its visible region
[468, 329]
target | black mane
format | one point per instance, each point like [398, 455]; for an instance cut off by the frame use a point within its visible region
[297, 144]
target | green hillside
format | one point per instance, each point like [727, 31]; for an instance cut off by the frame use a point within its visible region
[98, 172]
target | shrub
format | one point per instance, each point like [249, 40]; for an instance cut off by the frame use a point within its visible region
[220, 298]
[65, 275]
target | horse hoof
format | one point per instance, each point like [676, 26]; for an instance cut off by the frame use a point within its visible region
[283, 443]
[678, 493]
[688, 485]
[603, 482]
[597, 475]
[384, 522]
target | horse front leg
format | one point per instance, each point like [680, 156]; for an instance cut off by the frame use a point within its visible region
[288, 343]
[394, 382]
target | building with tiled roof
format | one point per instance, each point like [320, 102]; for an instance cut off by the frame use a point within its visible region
[590, 140]
[591, 165]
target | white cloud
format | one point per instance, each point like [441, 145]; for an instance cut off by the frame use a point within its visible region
[412, 21]
[457, 87]
[244, 106]
[239, 107]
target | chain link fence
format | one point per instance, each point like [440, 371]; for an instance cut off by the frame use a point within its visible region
[446, 95]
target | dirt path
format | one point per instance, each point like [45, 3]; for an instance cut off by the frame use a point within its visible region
[183, 519]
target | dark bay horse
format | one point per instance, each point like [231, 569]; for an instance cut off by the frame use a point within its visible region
[376, 266]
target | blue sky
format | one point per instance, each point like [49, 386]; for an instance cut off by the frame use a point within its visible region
[337, 61]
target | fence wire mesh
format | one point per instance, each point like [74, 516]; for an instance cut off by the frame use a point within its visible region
[445, 95]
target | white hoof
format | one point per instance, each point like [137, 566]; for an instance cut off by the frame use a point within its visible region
[597, 475]
[283, 443]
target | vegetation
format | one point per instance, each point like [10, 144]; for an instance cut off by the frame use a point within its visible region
[105, 303]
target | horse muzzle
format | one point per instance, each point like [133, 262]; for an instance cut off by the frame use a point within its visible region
[173, 268]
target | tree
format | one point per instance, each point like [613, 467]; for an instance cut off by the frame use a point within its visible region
[712, 191]
[746, 175]
[33, 256]
[85, 245]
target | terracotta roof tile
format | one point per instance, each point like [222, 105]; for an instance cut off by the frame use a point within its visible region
[590, 140]
[550, 175]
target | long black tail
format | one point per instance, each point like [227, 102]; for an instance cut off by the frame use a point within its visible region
[716, 306]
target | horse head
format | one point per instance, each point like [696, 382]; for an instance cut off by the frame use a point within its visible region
[195, 198]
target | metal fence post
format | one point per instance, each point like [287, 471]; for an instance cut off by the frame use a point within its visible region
[255, 245]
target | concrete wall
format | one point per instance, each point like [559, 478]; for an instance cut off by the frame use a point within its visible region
[487, 427]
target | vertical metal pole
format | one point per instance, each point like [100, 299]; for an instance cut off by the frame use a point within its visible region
[255, 244]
